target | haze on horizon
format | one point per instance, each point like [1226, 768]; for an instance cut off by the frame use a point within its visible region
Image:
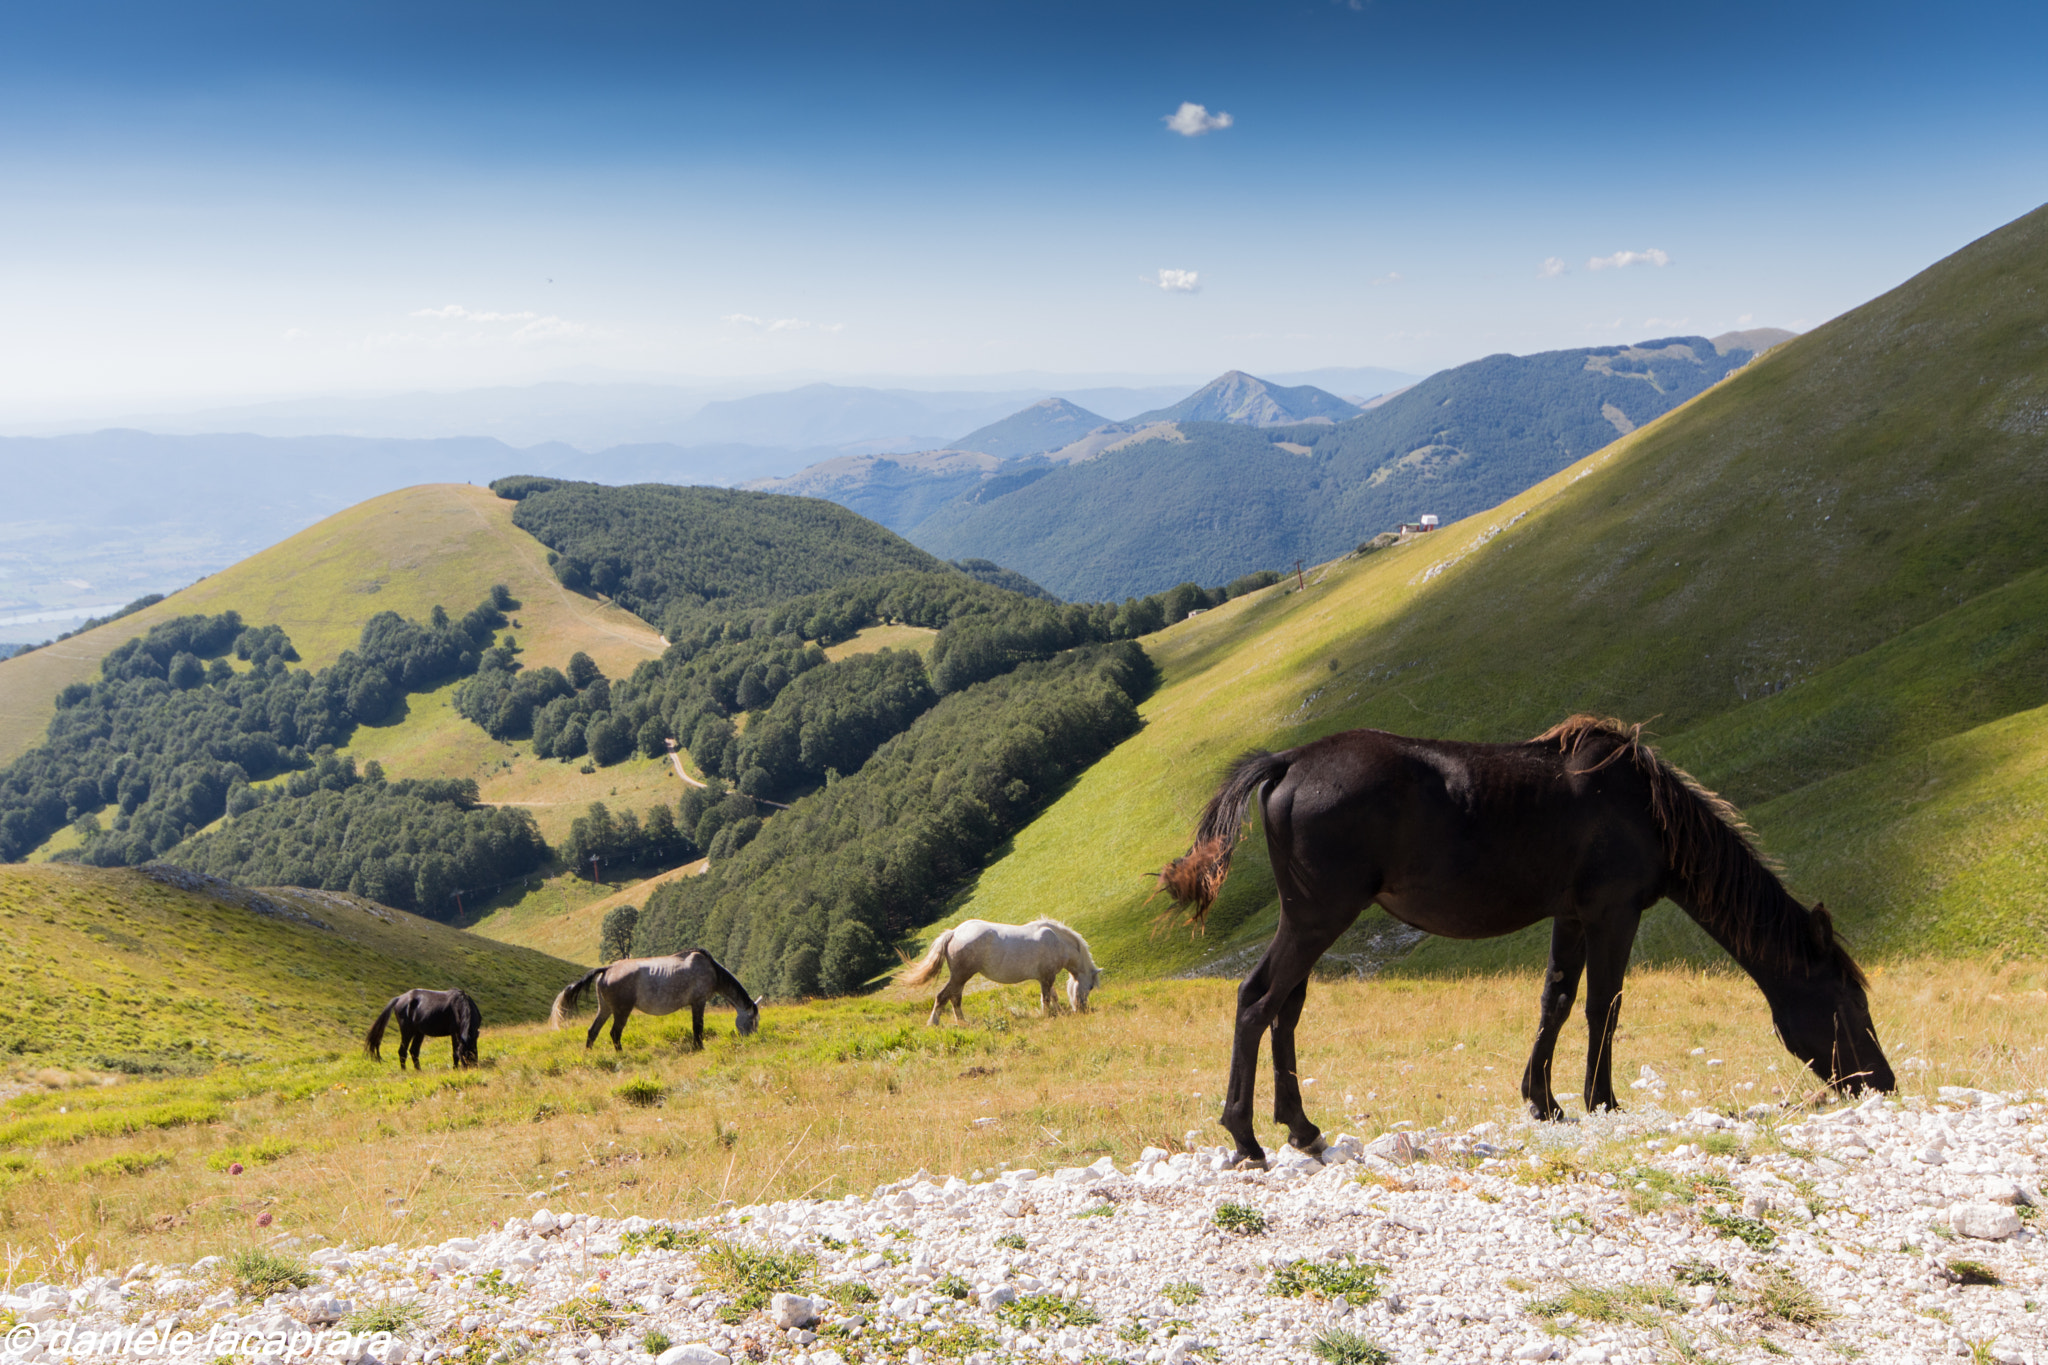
[229, 201]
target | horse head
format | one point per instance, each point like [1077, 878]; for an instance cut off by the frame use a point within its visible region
[1079, 984]
[747, 1017]
[1822, 1014]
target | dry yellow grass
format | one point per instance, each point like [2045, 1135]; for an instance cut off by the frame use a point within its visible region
[876, 638]
[406, 552]
[834, 1097]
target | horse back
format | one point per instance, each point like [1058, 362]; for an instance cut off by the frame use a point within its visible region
[1440, 827]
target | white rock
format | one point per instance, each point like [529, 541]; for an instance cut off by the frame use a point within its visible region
[1991, 1222]
[1999, 1190]
[694, 1354]
[794, 1310]
[1535, 1350]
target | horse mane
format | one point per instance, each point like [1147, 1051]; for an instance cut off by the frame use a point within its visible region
[469, 1019]
[1070, 934]
[729, 985]
[1712, 852]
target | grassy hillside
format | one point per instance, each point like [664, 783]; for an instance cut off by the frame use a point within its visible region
[406, 552]
[1818, 579]
[114, 971]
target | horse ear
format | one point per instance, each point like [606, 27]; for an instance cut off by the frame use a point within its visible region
[1823, 927]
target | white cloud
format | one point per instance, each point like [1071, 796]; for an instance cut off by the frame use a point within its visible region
[1667, 322]
[782, 324]
[295, 334]
[1391, 277]
[1552, 267]
[1193, 120]
[1178, 281]
[1622, 259]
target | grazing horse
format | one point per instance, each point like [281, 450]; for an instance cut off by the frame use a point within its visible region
[1584, 825]
[428, 1014]
[659, 985]
[1008, 953]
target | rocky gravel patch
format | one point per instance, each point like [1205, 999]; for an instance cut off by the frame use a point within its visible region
[1889, 1231]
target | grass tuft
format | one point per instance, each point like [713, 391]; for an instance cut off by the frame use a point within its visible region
[754, 1276]
[1340, 1347]
[1636, 1304]
[1749, 1231]
[1180, 1293]
[642, 1094]
[1783, 1295]
[1034, 1311]
[1356, 1283]
[1242, 1219]
[257, 1273]
[395, 1318]
[1973, 1272]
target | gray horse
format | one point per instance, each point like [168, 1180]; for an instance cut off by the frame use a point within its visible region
[659, 985]
[1008, 953]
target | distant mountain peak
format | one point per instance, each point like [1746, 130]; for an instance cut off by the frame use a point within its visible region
[1247, 400]
[1048, 424]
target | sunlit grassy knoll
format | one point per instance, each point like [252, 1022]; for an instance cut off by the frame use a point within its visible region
[874, 638]
[557, 792]
[564, 912]
[834, 1097]
[408, 551]
[110, 971]
[1810, 574]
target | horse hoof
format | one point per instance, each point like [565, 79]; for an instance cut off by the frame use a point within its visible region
[1315, 1148]
[1250, 1163]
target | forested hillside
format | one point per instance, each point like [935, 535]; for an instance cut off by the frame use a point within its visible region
[173, 734]
[814, 901]
[656, 547]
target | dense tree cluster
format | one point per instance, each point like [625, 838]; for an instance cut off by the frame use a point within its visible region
[626, 840]
[410, 844]
[173, 733]
[810, 904]
[653, 547]
[830, 720]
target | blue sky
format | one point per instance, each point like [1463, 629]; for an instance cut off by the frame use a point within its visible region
[211, 200]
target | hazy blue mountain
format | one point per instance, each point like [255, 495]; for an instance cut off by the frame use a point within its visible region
[896, 490]
[1246, 400]
[1351, 383]
[1046, 425]
[1214, 499]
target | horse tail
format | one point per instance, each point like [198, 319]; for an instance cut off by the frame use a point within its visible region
[373, 1041]
[572, 992]
[929, 968]
[1194, 879]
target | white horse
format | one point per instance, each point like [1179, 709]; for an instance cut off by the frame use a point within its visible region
[1007, 954]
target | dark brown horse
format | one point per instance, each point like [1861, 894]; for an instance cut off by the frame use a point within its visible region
[428, 1014]
[658, 985]
[1584, 825]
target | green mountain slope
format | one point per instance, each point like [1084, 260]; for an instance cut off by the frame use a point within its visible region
[1214, 497]
[1816, 579]
[117, 970]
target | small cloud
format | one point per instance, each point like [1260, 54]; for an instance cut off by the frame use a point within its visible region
[1193, 120]
[1391, 277]
[782, 324]
[295, 334]
[1667, 322]
[1621, 260]
[1744, 320]
[1552, 267]
[1178, 281]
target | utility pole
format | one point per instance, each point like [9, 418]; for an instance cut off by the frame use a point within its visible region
[593, 869]
[1299, 581]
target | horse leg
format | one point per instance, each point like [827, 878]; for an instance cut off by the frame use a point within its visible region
[604, 1012]
[1045, 994]
[412, 1043]
[619, 1027]
[1560, 989]
[1285, 966]
[1608, 947]
[697, 1027]
[1302, 1135]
